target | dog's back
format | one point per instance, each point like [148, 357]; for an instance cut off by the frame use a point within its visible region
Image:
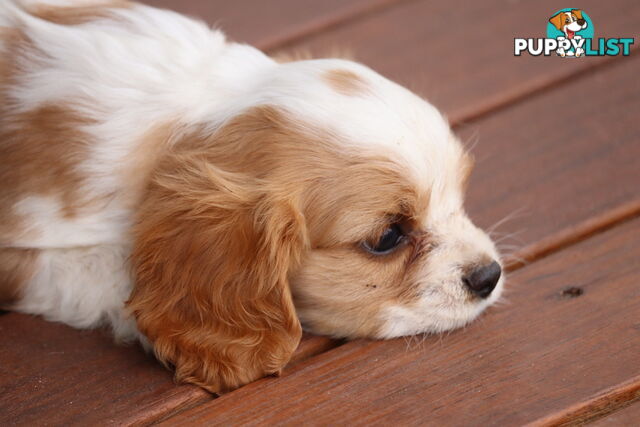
[84, 91]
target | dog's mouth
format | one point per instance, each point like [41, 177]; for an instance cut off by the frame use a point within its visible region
[570, 34]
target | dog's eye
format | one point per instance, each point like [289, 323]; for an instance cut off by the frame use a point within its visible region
[567, 21]
[390, 239]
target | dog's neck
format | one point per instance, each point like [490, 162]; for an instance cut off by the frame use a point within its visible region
[220, 85]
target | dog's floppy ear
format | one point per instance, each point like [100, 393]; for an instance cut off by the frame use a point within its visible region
[577, 12]
[211, 258]
[558, 20]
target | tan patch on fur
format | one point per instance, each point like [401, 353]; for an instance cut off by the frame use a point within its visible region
[17, 267]
[40, 149]
[12, 41]
[345, 82]
[77, 15]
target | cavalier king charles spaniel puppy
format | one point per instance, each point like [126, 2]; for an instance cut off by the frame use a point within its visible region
[210, 202]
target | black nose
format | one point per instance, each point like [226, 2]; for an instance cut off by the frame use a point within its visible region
[483, 280]
[581, 22]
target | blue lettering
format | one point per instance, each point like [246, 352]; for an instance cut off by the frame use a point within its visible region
[601, 49]
[612, 47]
[626, 46]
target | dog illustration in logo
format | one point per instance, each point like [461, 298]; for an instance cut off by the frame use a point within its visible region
[569, 22]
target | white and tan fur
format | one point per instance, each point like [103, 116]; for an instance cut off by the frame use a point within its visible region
[195, 194]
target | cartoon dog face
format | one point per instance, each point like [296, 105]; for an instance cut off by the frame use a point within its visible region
[569, 22]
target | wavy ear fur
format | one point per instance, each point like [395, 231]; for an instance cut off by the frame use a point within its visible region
[211, 258]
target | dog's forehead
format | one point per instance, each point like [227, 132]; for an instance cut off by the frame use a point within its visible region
[373, 114]
[367, 112]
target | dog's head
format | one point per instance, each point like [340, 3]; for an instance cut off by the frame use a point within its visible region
[328, 195]
[569, 22]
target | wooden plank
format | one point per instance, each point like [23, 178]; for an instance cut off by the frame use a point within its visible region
[605, 402]
[267, 24]
[565, 162]
[311, 345]
[548, 348]
[50, 372]
[53, 372]
[626, 417]
[459, 54]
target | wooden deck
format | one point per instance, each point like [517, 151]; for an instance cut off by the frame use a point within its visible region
[557, 144]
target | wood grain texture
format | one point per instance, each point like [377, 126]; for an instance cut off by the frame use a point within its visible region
[541, 352]
[559, 160]
[459, 54]
[311, 345]
[628, 416]
[605, 402]
[267, 24]
[50, 373]
[65, 376]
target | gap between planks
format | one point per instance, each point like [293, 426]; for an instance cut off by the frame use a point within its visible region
[603, 404]
[464, 117]
[508, 100]
[330, 23]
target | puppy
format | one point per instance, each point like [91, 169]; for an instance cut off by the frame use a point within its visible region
[197, 196]
[569, 23]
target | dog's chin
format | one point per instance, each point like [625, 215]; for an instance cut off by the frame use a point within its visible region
[434, 317]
